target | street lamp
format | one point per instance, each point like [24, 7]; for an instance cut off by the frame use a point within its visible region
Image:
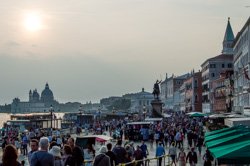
[80, 113]
[144, 111]
[99, 113]
[51, 110]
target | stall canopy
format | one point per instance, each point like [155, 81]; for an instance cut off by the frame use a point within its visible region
[225, 134]
[235, 153]
[196, 114]
[230, 146]
[228, 140]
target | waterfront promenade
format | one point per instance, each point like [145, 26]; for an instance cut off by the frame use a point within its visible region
[151, 153]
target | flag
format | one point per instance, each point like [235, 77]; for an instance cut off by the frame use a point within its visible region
[245, 71]
[246, 75]
[221, 91]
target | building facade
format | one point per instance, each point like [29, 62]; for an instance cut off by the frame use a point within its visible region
[212, 68]
[141, 102]
[35, 103]
[170, 94]
[222, 93]
[193, 92]
[241, 63]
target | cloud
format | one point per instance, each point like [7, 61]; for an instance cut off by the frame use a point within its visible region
[12, 44]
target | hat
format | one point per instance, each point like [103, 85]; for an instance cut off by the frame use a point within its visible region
[103, 149]
[55, 151]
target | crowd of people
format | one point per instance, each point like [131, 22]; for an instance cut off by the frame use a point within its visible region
[166, 136]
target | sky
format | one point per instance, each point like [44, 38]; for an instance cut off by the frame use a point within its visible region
[91, 49]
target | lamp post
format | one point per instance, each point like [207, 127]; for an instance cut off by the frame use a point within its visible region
[51, 110]
[80, 115]
[99, 113]
[144, 112]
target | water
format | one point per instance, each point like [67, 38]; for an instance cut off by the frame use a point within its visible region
[3, 118]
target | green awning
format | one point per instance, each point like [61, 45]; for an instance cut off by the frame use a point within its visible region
[232, 151]
[197, 115]
[221, 135]
[222, 130]
[228, 140]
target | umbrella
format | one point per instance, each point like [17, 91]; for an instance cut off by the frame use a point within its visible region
[197, 115]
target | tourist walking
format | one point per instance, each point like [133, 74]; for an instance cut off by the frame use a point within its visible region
[77, 153]
[67, 156]
[111, 154]
[120, 152]
[34, 147]
[56, 152]
[10, 156]
[102, 159]
[182, 158]
[200, 143]
[160, 151]
[173, 153]
[138, 155]
[192, 157]
[208, 158]
[42, 157]
[144, 150]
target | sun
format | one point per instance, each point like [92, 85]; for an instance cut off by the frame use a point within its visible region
[32, 22]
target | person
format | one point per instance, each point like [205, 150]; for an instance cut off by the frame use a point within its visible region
[4, 144]
[102, 159]
[111, 154]
[56, 152]
[17, 143]
[178, 139]
[77, 153]
[42, 157]
[67, 156]
[192, 157]
[89, 154]
[144, 149]
[182, 157]
[25, 142]
[208, 158]
[200, 143]
[10, 156]
[160, 151]
[120, 152]
[173, 153]
[34, 147]
[138, 155]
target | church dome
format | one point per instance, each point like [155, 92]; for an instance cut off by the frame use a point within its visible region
[47, 94]
[35, 95]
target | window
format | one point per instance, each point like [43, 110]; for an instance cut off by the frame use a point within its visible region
[212, 65]
[212, 74]
[223, 65]
[229, 65]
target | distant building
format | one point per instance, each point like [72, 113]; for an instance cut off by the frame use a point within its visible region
[140, 101]
[193, 92]
[222, 92]
[212, 68]
[241, 47]
[170, 94]
[109, 101]
[35, 103]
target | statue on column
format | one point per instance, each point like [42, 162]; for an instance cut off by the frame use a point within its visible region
[156, 90]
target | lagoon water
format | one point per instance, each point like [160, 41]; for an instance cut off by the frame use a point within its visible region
[5, 116]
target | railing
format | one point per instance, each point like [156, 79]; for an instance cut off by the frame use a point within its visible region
[146, 160]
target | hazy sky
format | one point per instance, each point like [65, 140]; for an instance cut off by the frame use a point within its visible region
[90, 49]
